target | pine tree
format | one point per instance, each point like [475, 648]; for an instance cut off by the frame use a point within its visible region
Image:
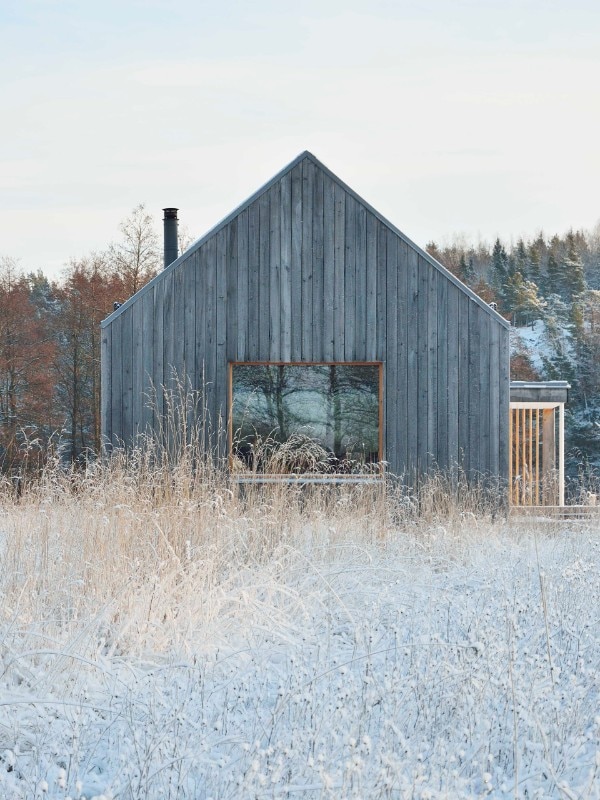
[534, 258]
[573, 277]
[553, 283]
[469, 270]
[521, 260]
[499, 271]
[524, 300]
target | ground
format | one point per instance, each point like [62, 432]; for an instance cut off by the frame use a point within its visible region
[292, 653]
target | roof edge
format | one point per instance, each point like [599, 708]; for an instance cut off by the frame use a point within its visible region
[434, 262]
[264, 188]
[211, 232]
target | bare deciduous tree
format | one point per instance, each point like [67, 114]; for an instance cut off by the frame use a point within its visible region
[137, 257]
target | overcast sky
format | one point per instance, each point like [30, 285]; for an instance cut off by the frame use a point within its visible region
[477, 117]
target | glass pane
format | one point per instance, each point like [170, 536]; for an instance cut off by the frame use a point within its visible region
[305, 418]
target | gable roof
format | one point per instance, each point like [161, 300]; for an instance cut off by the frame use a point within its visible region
[265, 188]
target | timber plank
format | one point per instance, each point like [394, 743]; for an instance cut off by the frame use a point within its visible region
[475, 465]
[137, 370]
[127, 387]
[402, 358]
[423, 408]
[147, 418]
[339, 259]
[443, 423]
[504, 403]
[392, 422]
[116, 384]
[452, 367]
[485, 402]
[275, 273]
[381, 268]
[412, 365]
[495, 412]
[371, 289]
[319, 302]
[296, 266]
[209, 357]
[238, 264]
[380, 335]
[229, 270]
[306, 322]
[105, 387]
[329, 261]
[432, 368]
[178, 363]
[464, 385]
[190, 269]
[200, 296]
[285, 285]
[168, 341]
[253, 348]
[220, 394]
[360, 288]
[264, 298]
[158, 379]
[350, 280]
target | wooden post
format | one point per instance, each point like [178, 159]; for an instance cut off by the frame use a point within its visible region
[549, 456]
[511, 415]
[561, 454]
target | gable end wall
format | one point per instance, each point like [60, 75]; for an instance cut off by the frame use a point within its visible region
[306, 272]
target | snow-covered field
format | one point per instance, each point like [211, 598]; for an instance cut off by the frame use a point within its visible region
[201, 648]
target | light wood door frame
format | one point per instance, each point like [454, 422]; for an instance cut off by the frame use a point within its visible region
[536, 464]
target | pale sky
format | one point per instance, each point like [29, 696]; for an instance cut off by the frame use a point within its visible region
[475, 117]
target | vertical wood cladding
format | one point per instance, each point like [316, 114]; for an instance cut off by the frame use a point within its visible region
[306, 271]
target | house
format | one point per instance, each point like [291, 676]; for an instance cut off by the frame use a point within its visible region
[322, 340]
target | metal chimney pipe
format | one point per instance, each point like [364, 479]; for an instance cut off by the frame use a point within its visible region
[170, 235]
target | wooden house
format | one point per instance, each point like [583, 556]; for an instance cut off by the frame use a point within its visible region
[314, 327]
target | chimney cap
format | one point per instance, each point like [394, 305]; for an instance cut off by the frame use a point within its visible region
[170, 213]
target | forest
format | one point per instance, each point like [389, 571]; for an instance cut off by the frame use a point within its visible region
[548, 287]
[50, 346]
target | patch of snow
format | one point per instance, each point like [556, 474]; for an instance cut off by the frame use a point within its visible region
[403, 669]
[534, 340]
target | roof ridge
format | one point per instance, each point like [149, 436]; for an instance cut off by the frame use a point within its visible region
[264, 188]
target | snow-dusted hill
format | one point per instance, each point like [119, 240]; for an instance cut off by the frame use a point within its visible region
[542, 344]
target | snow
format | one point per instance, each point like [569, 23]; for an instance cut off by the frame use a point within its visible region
[534, 339]
[417, 666]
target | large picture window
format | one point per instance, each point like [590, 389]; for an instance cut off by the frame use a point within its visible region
[306, 418]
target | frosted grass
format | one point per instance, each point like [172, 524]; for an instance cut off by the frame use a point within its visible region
[280, 651]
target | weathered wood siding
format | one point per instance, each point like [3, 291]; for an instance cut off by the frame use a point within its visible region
[306, 271]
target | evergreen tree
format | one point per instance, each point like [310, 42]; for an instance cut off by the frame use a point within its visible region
[524, 300]
[499, 271]
[537, 257]
[553, 283]
[469, 269]
[573, 278]
[521, 259]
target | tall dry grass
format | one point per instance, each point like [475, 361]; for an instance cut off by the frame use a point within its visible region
[162, 631]
[141, 551]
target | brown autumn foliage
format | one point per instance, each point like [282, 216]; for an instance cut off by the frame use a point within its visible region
[86, 297]
[28, 408]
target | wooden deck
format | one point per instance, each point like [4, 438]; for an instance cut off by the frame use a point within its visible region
[573, 512]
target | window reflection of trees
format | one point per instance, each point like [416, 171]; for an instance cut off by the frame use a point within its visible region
[330, 410]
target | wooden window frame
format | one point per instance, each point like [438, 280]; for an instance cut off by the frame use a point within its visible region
[307, 477]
